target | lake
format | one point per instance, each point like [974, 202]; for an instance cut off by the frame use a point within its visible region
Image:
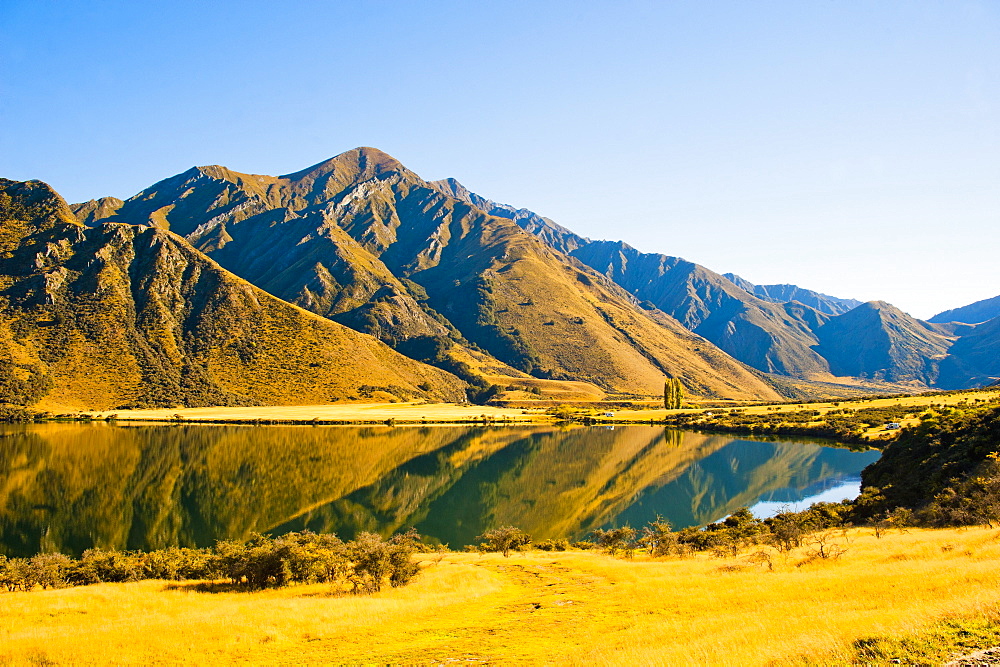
[71, 486]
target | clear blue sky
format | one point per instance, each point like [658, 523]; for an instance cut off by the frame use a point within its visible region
[848, 147]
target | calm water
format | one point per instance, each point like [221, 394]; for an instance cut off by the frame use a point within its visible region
[68, 487]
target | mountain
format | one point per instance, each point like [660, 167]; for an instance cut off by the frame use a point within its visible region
[824, 303]
[973, 359]
[123, 315]
[780, 329]
[877, 340]
[96, 209]
[774, 338]
[366, 242]
[494, 292]
[767, 336]
[974, 313]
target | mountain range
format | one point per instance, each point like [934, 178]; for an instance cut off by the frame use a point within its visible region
[355, 279]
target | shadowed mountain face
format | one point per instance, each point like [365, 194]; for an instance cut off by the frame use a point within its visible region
[974, 358]
[877, 335]
[780, 329]
[364, 241]
[974, 313]
[70, 487]
[121, 315]
[775, 338]
[824, 303]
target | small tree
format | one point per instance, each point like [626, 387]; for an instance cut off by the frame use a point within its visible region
[503, 539]
[616, 539]
[657, 537]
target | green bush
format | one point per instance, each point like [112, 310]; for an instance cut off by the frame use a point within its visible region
[367, 562]
[552, 545]
[503, 540]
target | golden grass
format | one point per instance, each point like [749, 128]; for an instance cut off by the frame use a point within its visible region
[564, 608]
[356, 412]
[918, 401]
[455, 412]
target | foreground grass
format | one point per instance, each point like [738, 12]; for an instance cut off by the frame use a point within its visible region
[568, 608]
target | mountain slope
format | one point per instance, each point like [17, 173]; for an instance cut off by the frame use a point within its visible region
[824, 303]
[877, 340]
[773, 338]
[974, 313]
[361, 239]
[781, 329]
[973, 359]
[117, 315]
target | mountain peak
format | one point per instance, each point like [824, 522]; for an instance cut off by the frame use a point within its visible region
[27, 207]
[364, 161]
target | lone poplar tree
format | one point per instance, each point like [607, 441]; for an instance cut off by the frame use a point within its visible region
[673, 393]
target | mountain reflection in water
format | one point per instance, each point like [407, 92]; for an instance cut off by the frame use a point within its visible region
[69, 487]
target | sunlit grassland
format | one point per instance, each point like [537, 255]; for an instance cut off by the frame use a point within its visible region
[422, 412]
[571, 607]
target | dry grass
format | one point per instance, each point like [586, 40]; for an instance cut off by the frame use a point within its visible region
[918, 401]
[565, 608]
[354, 412]
[453, 412]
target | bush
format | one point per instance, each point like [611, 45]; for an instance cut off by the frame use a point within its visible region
[657, 537]
[374, 560]
[262, 562]
[616, 539]
[98, 566]
[552, 545]
[503, 539]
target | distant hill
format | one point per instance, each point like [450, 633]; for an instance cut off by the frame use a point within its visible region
[361, 239]
[121, 315]
[974, 359]
[974, 313]
[877, 340]
[824, 303]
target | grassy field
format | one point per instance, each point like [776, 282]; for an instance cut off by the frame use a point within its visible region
[466, 413]
[564, 608]
[347, 412]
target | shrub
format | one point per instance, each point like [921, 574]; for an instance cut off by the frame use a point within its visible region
[616, 539]
[657, 537]
[503, 539]
[552, 545]
[98, 566]
[374, 560]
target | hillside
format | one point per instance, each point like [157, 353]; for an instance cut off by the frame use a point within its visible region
[364, 241]
[824, 303]
[974, 313]
[877, 340]
[122, 315]
[781, 329]
[974, 359]
[950, 460]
